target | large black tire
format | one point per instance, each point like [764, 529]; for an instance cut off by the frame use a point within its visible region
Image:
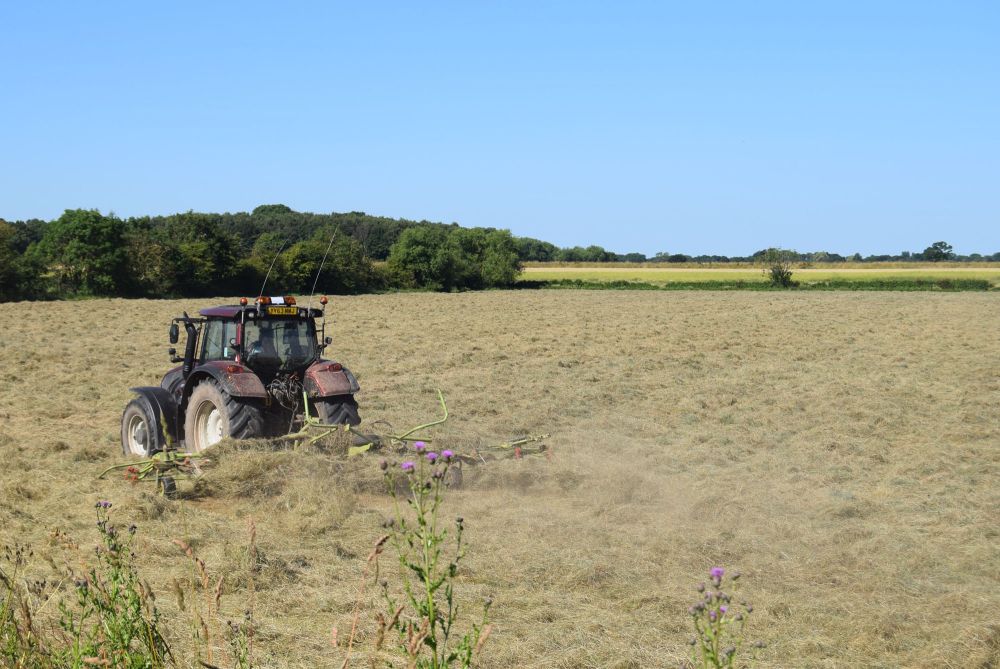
[213, 414]
[337, 410]
[140, 433]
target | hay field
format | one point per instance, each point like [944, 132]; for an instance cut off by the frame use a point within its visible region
[841, 449]
[661, 274]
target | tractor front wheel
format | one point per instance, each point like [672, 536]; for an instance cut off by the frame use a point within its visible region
[140, 433]
[213, 414]
[337, 410]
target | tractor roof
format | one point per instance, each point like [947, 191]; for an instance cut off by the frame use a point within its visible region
[233, 312]
[222, 312]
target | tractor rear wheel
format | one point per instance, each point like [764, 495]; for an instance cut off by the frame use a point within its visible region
[213, 414]
[337, 410]
[140, 433]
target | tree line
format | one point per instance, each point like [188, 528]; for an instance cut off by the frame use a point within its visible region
[536, 250]
[87, 253]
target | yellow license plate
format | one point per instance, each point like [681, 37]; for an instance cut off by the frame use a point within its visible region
[282, 311]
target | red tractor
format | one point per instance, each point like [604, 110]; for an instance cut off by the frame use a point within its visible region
[245, 372]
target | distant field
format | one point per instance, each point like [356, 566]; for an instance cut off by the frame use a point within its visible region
[660, 274]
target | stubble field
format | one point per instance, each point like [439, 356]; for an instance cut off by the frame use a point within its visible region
[841, 450]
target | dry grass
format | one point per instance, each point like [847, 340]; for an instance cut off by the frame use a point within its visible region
[839, 449]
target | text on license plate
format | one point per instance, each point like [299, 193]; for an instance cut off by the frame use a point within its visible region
[282, 311]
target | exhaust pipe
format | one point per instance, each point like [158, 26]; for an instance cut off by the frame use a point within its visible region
[192, 340]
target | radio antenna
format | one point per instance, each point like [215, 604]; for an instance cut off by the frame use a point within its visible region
[266, 276]
[316, 280]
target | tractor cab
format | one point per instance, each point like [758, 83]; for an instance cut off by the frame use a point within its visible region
[274, 337]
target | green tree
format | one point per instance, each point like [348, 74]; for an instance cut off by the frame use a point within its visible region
[347, 270]
[27, 233]
[591, 253]
[456, 261]
[500, 261]
[432, 257]
[86, 252]
[415, 255]
[595, 253]
[9, 276]
[207, 255]
[939, 251]
[777, 264]
[157, 264]
[268, 255]
[535, 249]
[453, 258]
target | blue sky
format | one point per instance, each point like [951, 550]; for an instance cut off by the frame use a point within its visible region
[717, 127]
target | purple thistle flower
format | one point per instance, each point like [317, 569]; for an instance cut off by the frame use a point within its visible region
[717, 572]
[712, 616]
[432, 456]
[407, 466]
[723, 609]
[447, 455]
[419, 446]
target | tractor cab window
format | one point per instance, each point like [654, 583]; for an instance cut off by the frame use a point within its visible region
[216, 336]
[280, 344]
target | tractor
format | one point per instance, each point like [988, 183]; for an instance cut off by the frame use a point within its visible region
[246, 372]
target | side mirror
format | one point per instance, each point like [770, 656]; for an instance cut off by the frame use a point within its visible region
[174, 333]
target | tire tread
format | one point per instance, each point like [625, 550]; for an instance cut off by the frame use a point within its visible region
[337, 410]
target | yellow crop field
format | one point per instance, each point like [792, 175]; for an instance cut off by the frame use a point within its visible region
[667, 274]
[842, 450]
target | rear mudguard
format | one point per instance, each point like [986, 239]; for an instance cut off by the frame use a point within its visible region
[164, 414]
[322, 379]
[238, 384]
